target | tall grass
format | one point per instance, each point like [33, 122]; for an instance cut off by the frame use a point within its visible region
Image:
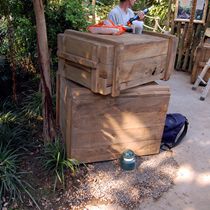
[55, 162]
[12, 181]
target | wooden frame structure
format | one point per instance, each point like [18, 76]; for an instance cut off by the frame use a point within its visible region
[188, 19]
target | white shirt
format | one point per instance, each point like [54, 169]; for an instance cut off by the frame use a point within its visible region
[119, 16]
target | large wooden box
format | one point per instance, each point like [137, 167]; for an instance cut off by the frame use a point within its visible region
[98, 128]
[108, 64]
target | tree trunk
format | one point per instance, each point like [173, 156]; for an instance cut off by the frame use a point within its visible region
[12, 57]
[44, 59]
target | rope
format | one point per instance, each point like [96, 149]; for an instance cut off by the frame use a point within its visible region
[146, 26]
[156, 23]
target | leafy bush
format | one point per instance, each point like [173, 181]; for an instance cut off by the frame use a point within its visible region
[103, 8]
[7, 118]
[12, 132]
[55, 162]
[14, 128]
[62, 15]
[16, 137]
[12, 181]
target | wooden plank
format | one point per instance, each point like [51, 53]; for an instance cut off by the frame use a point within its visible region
[179, 26]
[77, 75]
[186, 59]
[143, 68]
[94, 80]
[57, 99]
[125, 39]
[196, 64]
[171, 57]
[95, 76]
[147, 50]
[171, 53]
[80, 47]
[69, 121]
[105, 54]
[202, 56]
[111, 152]
[196, 41]
[181, 47]
[77, 59]
[117, 121]
[108, 136]
[117, 70]
[105, 106]
[64, 94]
[144, 90]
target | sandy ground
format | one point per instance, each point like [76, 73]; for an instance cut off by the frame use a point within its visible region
[192, 185]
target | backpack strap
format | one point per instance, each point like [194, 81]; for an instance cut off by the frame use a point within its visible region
[166, 147]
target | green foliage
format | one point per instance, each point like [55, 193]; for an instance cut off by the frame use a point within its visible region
[160, 10]
[12, 182]
[104, 7]
[16, 136]
[3, 40]
[62, 15]
[15, 128]
[18, 31]
[18, 41]
[14, 142]
[32, 104]
[7, 118]
[12, 132]
[74, 14]
[54, 161]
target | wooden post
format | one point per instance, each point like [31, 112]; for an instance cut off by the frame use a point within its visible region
[181, 46]
[190, 28]
[172, 49]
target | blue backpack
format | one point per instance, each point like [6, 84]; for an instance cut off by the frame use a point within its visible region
[175, 129]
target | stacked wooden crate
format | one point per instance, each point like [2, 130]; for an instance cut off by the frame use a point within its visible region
[112, 110]
[202, 55]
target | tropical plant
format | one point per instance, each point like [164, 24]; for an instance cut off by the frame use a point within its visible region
[54, 161]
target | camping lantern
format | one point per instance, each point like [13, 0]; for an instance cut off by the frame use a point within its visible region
[128, 160]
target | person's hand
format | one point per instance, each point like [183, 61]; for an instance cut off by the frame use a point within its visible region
[141, 15]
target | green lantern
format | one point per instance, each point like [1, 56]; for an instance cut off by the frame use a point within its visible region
[128, 160]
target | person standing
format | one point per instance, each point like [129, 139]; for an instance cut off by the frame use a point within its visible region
[122, 13]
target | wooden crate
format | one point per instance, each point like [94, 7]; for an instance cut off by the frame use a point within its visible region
[201, 57]
[98, 128]
[108, 64]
